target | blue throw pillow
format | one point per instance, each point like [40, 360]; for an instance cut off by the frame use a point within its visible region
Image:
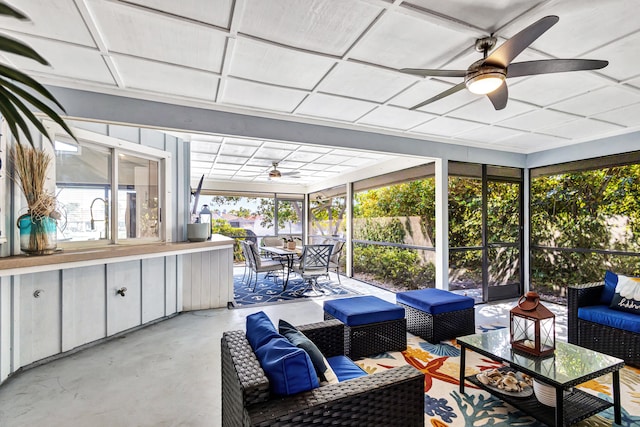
[300, 340]
[288, 368]
[627, 295]
[260, 330]
[610, 283]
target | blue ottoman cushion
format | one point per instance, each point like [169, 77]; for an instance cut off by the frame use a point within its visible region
[363, 310]
[435, 301]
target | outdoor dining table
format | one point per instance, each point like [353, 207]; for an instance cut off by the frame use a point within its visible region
[285, 254]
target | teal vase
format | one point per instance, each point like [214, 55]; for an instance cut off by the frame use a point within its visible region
[37, 235]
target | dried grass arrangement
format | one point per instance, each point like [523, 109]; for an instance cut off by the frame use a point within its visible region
[37, 226]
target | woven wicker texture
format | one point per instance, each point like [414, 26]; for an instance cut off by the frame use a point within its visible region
[374, 338]
[390, 398]
[615, 342]
[439, 327]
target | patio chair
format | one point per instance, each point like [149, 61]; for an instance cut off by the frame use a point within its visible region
[314, 262]
[247, 260]
[334, 261]
[261, 265]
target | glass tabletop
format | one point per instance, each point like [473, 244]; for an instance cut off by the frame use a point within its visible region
[569, 363]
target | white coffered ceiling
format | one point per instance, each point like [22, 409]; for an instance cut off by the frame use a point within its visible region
[336, 61]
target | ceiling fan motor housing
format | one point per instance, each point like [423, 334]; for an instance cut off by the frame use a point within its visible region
[480, 72]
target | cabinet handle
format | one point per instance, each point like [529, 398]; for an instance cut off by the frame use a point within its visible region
[37, 292]
[121, 292]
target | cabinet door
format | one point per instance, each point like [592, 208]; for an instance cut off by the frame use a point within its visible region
[84, 317]
[40, 319]
[123, 312]
[153, 283]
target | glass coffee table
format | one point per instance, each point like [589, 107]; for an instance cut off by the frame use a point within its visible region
[570, 366]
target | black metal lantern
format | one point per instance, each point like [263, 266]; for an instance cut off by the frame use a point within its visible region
[532, 326]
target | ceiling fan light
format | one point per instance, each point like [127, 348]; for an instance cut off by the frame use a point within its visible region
[484, 83]
[275, 174]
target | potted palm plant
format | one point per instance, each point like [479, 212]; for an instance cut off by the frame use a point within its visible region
[19, 94]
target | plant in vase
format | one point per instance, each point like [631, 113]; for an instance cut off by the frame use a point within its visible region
[38, 225]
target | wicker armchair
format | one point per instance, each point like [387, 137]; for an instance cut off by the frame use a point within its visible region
[605, 339]
[394, 397]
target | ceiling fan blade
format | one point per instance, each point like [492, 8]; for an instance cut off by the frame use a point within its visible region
[506, 53]
[499, 96]
[530, 68]
[196, 195]
[423, 72]
[441, 95]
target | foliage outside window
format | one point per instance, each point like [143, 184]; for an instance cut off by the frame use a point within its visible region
[327, 215]
[583, 223]
[253, 217]
[393, 230]
[85, 182]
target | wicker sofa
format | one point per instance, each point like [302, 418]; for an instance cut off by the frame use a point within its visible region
[394, 397]
[596, 336]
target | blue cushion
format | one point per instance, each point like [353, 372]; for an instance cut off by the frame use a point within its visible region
[627, 295]
[363, 310]
[300, 340]
[435, 301]
[344, 368]
[288, 367]
[610, 283]
[260, 330]
[603, 315]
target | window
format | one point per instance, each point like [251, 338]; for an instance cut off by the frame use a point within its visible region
[87, 173]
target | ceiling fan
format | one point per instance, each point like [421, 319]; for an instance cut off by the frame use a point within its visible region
[487, 75]
[276, 174]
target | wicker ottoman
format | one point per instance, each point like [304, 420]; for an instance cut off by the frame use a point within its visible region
[372, 325]
[437, 315]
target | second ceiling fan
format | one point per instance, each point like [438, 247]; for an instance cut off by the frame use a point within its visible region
[487, 75]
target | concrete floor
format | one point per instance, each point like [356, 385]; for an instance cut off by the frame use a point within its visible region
[167, 374]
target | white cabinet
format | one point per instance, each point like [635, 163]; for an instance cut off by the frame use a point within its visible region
[39, 315]
[207, 279]
[84, 316]
[153, 284]
[123, 309]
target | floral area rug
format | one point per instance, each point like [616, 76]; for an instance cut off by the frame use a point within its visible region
[445, 407]
[269, 290]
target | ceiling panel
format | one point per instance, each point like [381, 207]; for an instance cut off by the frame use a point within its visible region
[395, 118]
[273, 64]
[403, 41]
[428, 88]
[250, 94]
[303, 156]
[205, 146]
[626, 116]
[45, 18]
[166, 78]
[623, 63]
[489, 16]
[479, 111]
[531, 142]
[241, 150]
[582, 128]
[538, 119]
[364, 82]
[333, 107]
[88, 64]
[545, 89]
[141, 33]
[599, 101]
[490, 134]
[214, 12]
[325, 26]
[446, 126]
[583, 26]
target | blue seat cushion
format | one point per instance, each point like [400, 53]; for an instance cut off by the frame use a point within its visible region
[345, 369]
[260, 330]
[363, 310]
[604, 315]
[434, 301]
[288, 367]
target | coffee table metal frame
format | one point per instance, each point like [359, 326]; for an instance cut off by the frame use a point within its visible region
[572, 405]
